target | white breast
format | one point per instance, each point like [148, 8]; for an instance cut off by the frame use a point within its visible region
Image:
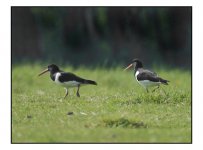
[65, 84]
[71, 84]
[57, 78]
[147, 83]
[137, 72]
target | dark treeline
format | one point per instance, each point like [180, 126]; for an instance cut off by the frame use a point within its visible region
[102, 35]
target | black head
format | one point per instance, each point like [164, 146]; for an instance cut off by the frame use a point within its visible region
[51, 68]
[136, 63]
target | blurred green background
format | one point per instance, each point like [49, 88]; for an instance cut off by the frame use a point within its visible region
[102, 36]
[86, 41]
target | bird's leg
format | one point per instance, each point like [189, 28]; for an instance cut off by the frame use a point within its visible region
[78, 95]
[66, 93]
[156, 88]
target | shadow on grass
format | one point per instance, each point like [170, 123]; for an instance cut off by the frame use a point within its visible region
[122, 123]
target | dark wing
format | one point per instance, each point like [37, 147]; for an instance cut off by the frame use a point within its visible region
[66, 76]
[148, 75]
[151, 72]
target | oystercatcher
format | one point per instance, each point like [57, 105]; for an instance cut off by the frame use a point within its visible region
[145, 77]
[66, 79]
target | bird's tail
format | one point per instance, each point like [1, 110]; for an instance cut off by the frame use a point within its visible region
[163, 81]
[90, 82]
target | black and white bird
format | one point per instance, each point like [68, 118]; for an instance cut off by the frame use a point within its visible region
[145, 77]
[66, 79]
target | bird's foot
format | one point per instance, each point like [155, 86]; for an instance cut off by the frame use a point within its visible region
[65, 96]
[78, 95]
[66, 93]
[155, 89]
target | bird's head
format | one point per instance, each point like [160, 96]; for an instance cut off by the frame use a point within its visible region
[136, 63]
[51, 68]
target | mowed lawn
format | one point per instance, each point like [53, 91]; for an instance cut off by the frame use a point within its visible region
[117, 110]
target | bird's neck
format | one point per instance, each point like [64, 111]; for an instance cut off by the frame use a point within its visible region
[136, 69]
[52, 75]
[137, 66]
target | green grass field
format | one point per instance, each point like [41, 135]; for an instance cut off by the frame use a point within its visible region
[117, 110]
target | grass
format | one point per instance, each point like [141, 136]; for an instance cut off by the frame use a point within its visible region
[117, 110]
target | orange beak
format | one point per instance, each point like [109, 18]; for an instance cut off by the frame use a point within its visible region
[128, 67]
[46, 70]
